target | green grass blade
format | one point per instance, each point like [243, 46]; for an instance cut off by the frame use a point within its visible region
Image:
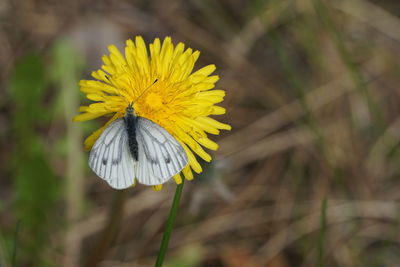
[322, 234]
[347, 58]
[15, 246]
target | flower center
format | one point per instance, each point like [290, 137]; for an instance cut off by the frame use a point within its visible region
[154, 101]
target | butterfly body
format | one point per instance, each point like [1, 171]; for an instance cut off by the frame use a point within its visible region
[130, 121]
[134, 147]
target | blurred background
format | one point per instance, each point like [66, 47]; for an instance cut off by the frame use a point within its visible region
[309, 175]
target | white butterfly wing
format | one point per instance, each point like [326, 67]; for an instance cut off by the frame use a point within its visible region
[110, 158]
[160, 154]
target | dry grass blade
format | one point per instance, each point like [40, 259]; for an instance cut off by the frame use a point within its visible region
[335, 214]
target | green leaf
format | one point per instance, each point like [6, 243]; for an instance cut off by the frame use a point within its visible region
[27, 83]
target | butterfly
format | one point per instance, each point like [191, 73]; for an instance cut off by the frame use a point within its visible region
[133, 147]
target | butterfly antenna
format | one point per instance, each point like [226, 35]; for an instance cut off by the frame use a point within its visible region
[145, 90]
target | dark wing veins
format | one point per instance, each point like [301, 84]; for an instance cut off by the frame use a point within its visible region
[108, 153]
[167, 158]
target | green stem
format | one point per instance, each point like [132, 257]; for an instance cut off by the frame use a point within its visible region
[170, 225]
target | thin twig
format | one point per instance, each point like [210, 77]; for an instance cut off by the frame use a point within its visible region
[110, 231]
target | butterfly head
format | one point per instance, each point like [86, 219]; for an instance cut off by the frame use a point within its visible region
[130, 110]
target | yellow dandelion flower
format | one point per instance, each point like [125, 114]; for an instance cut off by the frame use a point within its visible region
[180, 101]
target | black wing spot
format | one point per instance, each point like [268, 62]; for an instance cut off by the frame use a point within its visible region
[168, 160]
[104, 161]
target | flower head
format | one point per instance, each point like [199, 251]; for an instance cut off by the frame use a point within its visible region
[180, 101]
